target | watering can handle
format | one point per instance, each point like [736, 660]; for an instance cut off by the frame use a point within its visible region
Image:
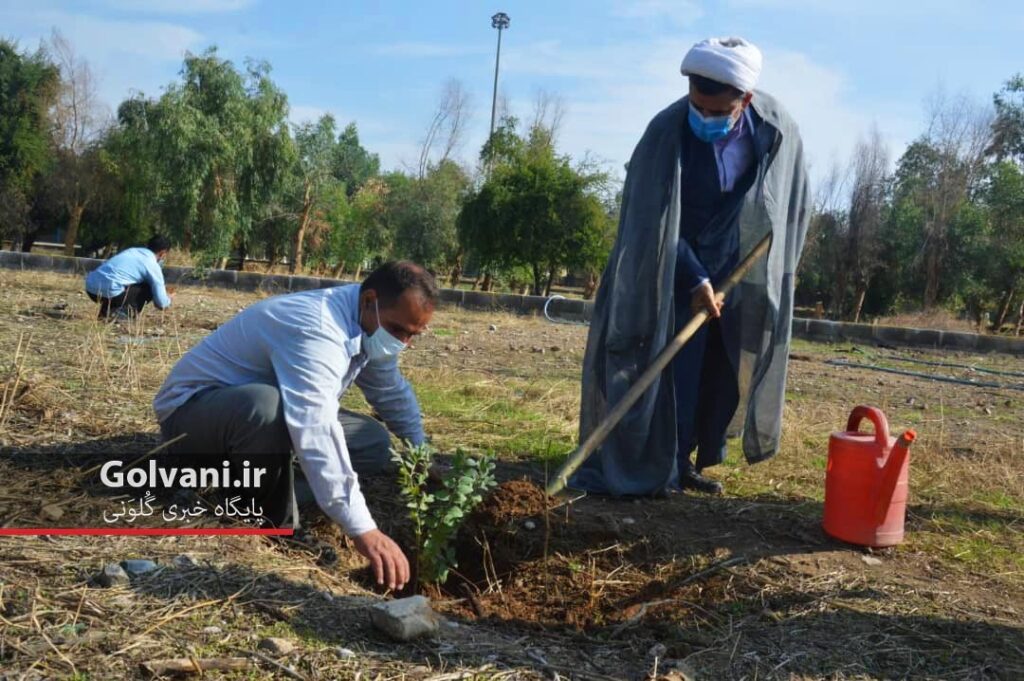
[877, 418]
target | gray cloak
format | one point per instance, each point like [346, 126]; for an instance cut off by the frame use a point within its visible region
[634, 312]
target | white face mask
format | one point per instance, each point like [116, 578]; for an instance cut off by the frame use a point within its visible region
[381, 344]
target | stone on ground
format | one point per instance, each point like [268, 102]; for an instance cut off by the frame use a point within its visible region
[278, 647]
[52, 511]
[137, 568]
[405, 618]
[113, 575]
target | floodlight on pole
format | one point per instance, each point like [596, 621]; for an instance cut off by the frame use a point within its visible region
[499, 21]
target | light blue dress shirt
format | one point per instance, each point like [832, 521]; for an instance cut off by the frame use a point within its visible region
[309, 344]
[130, 266]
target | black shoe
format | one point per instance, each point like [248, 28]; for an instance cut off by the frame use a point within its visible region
[693, 480]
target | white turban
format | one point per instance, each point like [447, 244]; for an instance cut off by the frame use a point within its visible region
[733, 61]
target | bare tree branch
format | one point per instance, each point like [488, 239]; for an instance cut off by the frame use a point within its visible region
[447, 129]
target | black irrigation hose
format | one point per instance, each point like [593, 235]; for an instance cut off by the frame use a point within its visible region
[933, 377]
[980, 370]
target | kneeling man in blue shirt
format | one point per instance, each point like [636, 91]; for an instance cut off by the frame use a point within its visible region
[125, 283]
[268, 381]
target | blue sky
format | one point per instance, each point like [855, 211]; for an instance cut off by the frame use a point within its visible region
[838, 66]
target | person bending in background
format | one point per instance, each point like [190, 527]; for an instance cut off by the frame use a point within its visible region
[125, 283]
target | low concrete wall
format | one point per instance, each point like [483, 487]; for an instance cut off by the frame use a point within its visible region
[824, 330]
[560, 308]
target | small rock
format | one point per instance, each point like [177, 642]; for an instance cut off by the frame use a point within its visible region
[137, 568]
[113, 575]
[529, 525]
[278, 647]
[212, 631]
[449, 348]
[678, 670]
[658, 650]
[871, 560]
[492, 328]
[989, 411]
[344, 653]
[555, 348]
[184, 560]
[405, 618]
[52, 511]
[628, 521]
[538, 350]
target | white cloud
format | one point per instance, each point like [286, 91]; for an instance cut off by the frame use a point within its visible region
[180, 6]
[96, 38]
[677, 12]
[299, 113]
[955, 10]
[426, 50]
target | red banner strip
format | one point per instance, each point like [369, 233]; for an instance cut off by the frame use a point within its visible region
[145, 531]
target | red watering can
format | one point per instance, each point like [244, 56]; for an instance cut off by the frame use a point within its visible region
[866, 482]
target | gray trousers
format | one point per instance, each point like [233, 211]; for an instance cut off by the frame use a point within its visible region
[245, 423]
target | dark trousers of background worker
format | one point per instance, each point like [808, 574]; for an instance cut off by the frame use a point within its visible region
[245, 423]
[130, 301]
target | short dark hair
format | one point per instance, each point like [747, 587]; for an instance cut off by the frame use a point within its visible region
[394, 278]
[158, 243]
[709, 87]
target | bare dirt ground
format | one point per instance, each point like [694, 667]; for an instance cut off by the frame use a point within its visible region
[745, 586]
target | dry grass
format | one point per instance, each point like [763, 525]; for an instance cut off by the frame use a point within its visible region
[946, 604]
[936, 319]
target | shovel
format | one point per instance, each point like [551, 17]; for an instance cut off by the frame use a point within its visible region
[576, 459]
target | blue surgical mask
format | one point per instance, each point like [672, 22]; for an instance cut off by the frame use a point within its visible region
[710, 128]
[381, 345]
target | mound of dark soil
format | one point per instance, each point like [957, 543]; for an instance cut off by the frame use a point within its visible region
[511, 501]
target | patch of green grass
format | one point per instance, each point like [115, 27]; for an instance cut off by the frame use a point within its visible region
[442, 332]
[999, 499]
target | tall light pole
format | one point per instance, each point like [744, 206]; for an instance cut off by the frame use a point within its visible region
[499, 21]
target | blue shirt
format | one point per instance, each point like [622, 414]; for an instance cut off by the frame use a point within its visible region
[130, 266]
[734, 154]
[309, 344]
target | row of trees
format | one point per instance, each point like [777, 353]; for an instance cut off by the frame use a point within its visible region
[944, 230]
[215, 164]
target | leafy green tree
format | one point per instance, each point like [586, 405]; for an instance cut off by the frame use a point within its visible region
[28, 88]
[1008, 127]
[422, 214]
[201, 139]
[352, 164]
[535, 210]
[1004, 196]
[316, 148]
[267, 164]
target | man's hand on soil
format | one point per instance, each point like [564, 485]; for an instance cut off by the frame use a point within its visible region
[704, 299]
[389, 564]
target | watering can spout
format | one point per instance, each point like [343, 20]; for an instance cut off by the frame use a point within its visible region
[891, 473]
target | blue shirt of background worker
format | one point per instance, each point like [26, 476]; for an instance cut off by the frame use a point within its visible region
[125, 283]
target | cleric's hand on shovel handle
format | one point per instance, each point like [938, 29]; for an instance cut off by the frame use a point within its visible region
[704, 299]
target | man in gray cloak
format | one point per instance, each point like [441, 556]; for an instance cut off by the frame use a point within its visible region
[713, 173]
